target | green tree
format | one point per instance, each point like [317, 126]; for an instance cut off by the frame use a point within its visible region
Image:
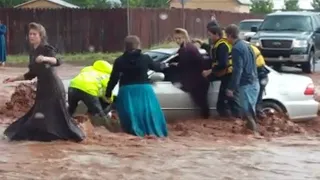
[261, 6]
[106, 4]
[316, 5]
[82, 3]
[11, 3]
[146, 3]
[291, 5]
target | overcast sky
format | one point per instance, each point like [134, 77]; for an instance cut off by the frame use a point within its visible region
[304, 4]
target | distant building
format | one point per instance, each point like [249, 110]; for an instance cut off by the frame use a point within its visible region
[239, 6]
[46, 4]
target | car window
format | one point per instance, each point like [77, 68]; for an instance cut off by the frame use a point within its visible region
[246, 26]
[287, 23]
[157, 56]
[317, 21]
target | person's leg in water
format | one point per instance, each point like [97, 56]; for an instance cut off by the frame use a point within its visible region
[235, 106]
[94, 108]
[200, 97]
[223, 108]
[248, 97]
[73, 99]
[263, 83]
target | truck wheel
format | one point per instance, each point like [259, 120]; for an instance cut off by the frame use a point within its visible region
[309, 67]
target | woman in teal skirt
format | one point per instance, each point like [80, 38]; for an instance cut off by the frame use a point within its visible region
[137, 105]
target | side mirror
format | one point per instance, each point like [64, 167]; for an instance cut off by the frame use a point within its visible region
[156, 77]
[254, 29]
[318, 30]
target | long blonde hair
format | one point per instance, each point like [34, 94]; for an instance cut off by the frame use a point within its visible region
[182, 32]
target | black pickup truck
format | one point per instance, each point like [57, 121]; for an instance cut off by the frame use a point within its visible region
[289, 38]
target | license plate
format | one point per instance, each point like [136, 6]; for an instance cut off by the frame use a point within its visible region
[280, 58]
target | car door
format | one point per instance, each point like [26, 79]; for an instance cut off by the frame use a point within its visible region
[175, 103]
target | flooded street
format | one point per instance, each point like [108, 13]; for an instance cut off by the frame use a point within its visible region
[289, 158]
[186, 155]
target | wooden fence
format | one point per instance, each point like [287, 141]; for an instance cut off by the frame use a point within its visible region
[75, 30]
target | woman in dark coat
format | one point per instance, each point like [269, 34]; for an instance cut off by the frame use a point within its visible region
[191, 65]
[137, 105]
[3, 48]
[48, 119]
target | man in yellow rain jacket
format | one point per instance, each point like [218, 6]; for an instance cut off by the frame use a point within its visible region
[89, 87]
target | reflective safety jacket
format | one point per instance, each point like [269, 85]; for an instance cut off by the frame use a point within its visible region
[258, 56]
[93, 79]
[262, 70]
[229, 63]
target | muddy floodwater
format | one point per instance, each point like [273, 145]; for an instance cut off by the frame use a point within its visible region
[288, 158]
[190, 153]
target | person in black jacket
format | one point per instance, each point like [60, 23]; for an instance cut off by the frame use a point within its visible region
[221, 70]
[137, 105]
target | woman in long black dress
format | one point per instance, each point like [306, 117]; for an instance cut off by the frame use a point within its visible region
[48, 119]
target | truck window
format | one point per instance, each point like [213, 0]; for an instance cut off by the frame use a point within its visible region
[317, 21]
[246, 25]
[287, 23]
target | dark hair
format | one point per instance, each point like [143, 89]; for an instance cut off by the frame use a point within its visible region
[40, 29]
[212, 23]
[215, 30]
[131, 42]
[233, 31]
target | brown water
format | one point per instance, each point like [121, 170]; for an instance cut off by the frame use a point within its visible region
[185, 156]
[289, 158]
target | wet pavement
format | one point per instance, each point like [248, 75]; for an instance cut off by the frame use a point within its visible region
[179, 157]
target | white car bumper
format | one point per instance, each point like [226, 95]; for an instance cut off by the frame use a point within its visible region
[302, 110]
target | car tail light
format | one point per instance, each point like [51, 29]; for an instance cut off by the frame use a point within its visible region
[309, 90]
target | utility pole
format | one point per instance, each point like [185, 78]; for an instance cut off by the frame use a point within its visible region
[183, 2]
[128, 18]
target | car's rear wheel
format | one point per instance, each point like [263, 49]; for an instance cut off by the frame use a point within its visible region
[309, 67]
[270, 107]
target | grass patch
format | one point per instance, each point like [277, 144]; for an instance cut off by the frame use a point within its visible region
[81, 59]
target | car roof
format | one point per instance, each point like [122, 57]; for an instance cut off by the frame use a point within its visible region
[252, 20]
[293, 13]
[173, 51]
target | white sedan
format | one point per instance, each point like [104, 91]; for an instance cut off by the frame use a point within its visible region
[285, 93]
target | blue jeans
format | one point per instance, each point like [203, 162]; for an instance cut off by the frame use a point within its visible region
[248, 96]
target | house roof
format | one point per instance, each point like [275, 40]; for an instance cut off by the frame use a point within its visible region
[59, 2]
[244, 2]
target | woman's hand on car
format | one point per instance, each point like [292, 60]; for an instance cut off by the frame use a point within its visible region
[206, 73]
[173, 64]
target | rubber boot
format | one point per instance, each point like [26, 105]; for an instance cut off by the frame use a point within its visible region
[251, 124]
